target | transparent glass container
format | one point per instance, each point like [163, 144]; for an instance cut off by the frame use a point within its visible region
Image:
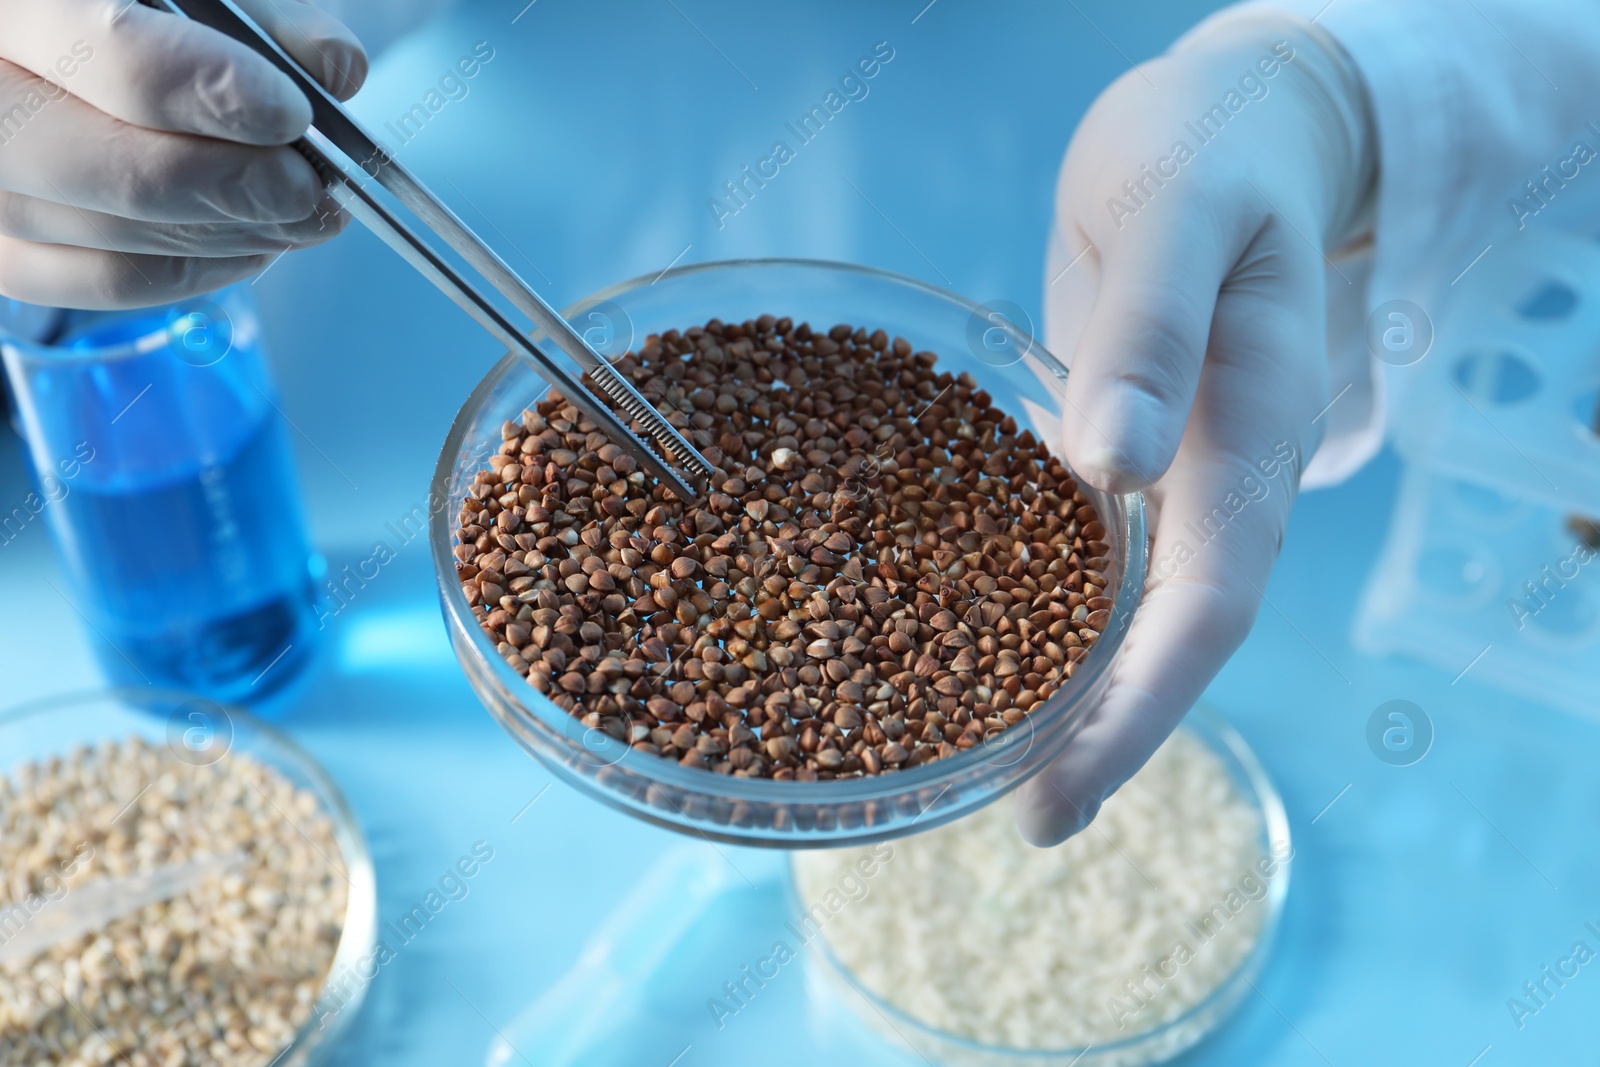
[1025, 380]
[163, 472]
[200, 732]
[833, 989]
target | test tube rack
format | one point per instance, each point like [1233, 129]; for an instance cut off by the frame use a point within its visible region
[1484, 570]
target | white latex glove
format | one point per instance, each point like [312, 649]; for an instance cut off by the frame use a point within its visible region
[143, 157]
[1196, 326]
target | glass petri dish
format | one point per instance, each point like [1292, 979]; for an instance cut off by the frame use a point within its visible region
[1024, 379]
[54, 726]
[834, 991]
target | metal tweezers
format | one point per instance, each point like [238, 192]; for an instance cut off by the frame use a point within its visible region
[335, 136]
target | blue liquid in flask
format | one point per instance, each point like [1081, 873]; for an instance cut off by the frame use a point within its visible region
[182, 534]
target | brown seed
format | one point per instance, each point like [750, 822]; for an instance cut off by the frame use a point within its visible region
[663, 709]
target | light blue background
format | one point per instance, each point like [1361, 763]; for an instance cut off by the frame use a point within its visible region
[1423, 898]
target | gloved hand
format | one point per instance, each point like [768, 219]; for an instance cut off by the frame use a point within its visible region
[1196, 325]
[143, 157]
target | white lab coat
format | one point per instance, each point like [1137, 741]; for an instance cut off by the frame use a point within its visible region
[1483, 110]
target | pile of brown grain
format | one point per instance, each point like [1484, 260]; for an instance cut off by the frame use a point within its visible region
[884, 572]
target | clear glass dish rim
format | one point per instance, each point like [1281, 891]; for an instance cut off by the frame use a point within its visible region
[1213, 731]
[665, 772]
[358, 929]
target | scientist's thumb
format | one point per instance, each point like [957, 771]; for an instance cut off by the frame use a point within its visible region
[1193, 306]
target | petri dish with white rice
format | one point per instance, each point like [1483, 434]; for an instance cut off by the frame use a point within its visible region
[1125, 946]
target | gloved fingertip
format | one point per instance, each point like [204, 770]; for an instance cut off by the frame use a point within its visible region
[278, 114]
[1109, 468]
[277, 186]
[1046, 820]
[344, 66]
[329, 220]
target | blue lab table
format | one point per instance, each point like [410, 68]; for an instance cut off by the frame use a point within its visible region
[587, 148]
